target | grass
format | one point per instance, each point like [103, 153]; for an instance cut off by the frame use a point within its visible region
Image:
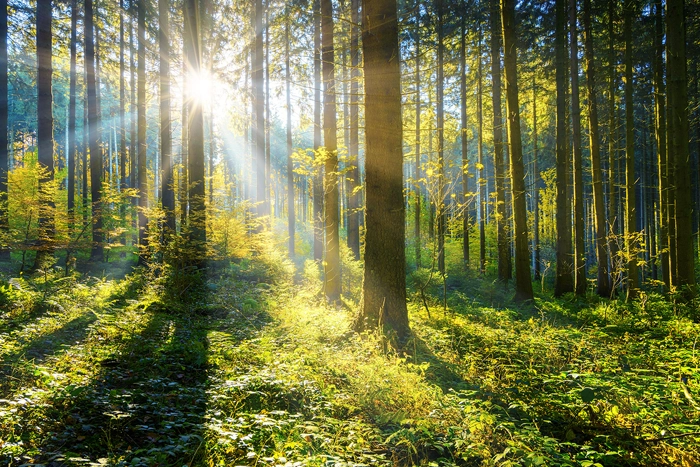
[109, 372]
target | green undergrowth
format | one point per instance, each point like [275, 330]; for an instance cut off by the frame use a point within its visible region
[261, 372]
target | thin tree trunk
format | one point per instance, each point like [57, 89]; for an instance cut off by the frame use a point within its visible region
[353, 176]
[417, 186]
[268, 176]
[94, 134]
[195, 142]
[613, 216]
[536, 184]
[441, 195]
[290, 164]
[141, 130]
[166, 146]
[523, 281]
[501, 216]
[332, 283]
[72, 102]
[579, 212]
[564, 280]
[4, 130]
[318, 173]
[480, 154]
[465, 154]
[660, 134]
[603, 282]
[630, 177]
[259, 109]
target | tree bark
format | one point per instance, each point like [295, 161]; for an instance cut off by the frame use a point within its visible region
[480, 154]
[441, 201]
[332, 284]
[353, 176]
[579, 213]
[94, 136]
[613, 220]
[72, 103]
[603, 281]
[290, 165]
[318, 172]
[630, 177]
[259, 110]
[504, 262]
[384, 283]
[44, 126]
[523, 280]
[678, 119]
[166, 145]
[141, 133]
[465, 154]
[4, 130]
[417, 186]
[564, 282]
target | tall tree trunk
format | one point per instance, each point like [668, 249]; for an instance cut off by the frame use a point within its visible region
[564, 279]
[122, 103]
[630, 177]
[166, 146]
[613, 215]
[184, 192]
[536, 183]
[268, 146]
[4, 130]
[318, 172]
[290, 164]
[660, 134]
[141, 130]
[332, 282]
[465, 154]
[441, 194]
[480, 154]
[44, 126]
[678, 119]
[523, 281]
[72, 102]
[417, 185]
[603, 282]
[353, 176]
[579, 213]
[384, 283]
[259, 109]
[132, 110]
[195, 142]
[94, 135]
[501, 216]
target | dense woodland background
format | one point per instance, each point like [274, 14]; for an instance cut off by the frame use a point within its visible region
[228, 188]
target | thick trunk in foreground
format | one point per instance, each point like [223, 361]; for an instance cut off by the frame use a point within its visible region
[678, 119]
[331, 196]
[353, 175]
[603, 282]
[384, 283]
[523, 281]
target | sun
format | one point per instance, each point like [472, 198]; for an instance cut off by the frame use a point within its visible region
[200, 87]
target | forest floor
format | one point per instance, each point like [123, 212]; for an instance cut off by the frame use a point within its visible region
[97, 371]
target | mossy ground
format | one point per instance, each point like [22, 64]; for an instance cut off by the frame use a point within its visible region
[261, 372]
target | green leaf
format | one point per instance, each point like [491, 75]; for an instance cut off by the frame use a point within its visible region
[587, 395]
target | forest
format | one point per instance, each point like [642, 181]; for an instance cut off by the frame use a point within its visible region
[349, 233]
